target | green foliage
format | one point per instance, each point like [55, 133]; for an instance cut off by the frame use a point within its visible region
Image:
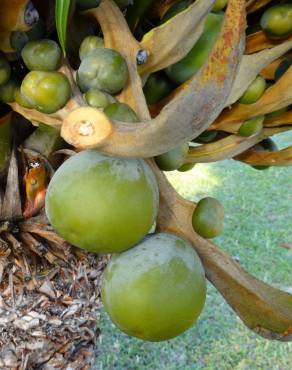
[62, 11]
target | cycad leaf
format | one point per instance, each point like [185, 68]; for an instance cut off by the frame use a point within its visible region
[62, 9]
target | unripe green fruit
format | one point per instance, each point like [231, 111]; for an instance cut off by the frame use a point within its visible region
[219, 5]
[266, 145]
[98, 99]
[208, 217]
[157, 87]
[5, 71]
[102, 204]
[252, 126]
[7, 91]
[156, 290]
[42, 55]
[173, 159]
[89, 44]
[121, 112]
[254, 92]
[175, 10]
[103, 69]
[194, 60]
[87, 4]
[277, 112]
[21, 99]
[277, 21]
[206, 137]
[46, 91]
[186, 167]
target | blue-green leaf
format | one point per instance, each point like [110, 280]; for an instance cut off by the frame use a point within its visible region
[62, 10]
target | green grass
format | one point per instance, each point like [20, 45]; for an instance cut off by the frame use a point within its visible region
[258, 220]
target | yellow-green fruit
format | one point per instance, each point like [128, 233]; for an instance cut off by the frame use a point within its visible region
[103, 69]
[173, 159]
[21, 99]
[46, 91]
[89, 44]
[251, 126]
[42, 55]
[219, 5]
[5, 71]
[102, 204]
[208, 217]
[254, 92]
[121, 112]
[98, 99]
[156, 290]
[277, 21]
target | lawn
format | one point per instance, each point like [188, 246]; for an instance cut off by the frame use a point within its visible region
[258, 206]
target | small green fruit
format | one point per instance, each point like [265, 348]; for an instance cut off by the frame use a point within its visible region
[102, 204]
[89, 44]
[186, 167]
[121, 112]
[98, 99]
[208, 217]
[254, 92]
[252, 126]
[46, 91]
[42, 55]
[173, 159]
[87, 4]
[21, 99]
[103, 69]
[277, 21]
[157, 87]
[7, 91]
[219, 5]
[156, 290]
[206, 137]
[5, 71]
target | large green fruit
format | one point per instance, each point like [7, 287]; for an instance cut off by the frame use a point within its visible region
[173, 159]
[102, 204]
[156, 290]
[157, 87]
[46, 91]
[98, 99]
[42, 55]
[103, 69]
[5, 71]
[254, 92]
[208, 217]
[193, 61]
[121, 112]
[89, 44]
[277, 21]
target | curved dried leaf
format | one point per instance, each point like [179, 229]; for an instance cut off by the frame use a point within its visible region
[264, 309]
[254, 5]
[196, 105]
[276, 97]
[228, 147]
[260, 41]
[170, 42]
[279, 158]
[250, 67]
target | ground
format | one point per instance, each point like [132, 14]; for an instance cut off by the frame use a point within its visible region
[258, 225]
